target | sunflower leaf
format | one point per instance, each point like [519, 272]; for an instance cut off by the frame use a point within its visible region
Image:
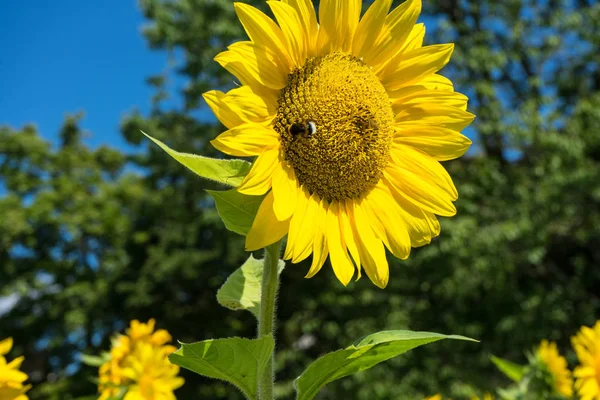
[241, 291]
[237, 210]
[93, 361]
[228, 172]
[363, 354]
[513, 371]
[235, 360]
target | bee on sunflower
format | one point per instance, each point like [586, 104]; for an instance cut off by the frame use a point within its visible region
[348, 120]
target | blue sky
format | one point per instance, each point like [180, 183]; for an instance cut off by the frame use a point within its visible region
[71, 55]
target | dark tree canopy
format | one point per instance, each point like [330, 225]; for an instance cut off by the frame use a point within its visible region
[92, 238]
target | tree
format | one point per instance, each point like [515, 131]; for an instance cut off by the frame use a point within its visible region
[88, 245]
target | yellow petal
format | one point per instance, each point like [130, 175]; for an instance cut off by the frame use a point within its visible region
[421, 226]
[435, 115]
[348, 236]
[251, 105]
[262, 30]
[258, 180]
[429, 169]
[254, 65]
[298, 217]
[430, 97]
[369, 27]
[246, 140]
[307, 229]
[420, 181]
[414, 65]
[266, 228]
[216, 101]
[293, 31]
[371, 250]
[338, 19]
[396, 29]
[308, 16]
[285, 191]
[320, 249]
[5, 346]
[414, 40]
[16, 363]
[340, 260]
[440, 143]
[380, 205]
[9, 375]
[430, 82]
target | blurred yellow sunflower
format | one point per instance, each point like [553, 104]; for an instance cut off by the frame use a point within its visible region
[138, 365]
[587, 375]
[11, 379]
[435, 397]
[486, 396]
[547, 352]
[349, 122]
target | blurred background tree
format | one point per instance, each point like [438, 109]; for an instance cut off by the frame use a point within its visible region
[91, 238]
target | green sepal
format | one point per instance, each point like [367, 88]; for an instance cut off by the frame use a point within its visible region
[237, 210]
[235, 360]
[228, 172]
[363, 354]
[242, 290]
[514, 372]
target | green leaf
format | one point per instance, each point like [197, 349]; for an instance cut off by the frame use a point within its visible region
[92, 361]
[229, 172]
[513, 371]
[241, 291]
[362, 355]
[237, 210]
[235, 360]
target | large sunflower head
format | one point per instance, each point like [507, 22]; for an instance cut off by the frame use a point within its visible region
[548, 354]
[349, 120]
[587, 375]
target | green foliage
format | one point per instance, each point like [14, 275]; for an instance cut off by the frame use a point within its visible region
[235, 360]
[362, 355]
[241, 291]
[228, 172]
[237, 210]
[513, 371]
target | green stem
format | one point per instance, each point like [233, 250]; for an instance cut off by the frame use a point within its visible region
[266, 318]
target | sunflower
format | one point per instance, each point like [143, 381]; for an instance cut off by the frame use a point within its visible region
[139, 366]
[153, 377]
[435, 397]
[486, 396]
[587, 375]
[349, 121]
[548, 354]
[11, 379]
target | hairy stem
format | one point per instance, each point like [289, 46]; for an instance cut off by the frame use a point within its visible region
[266, 318]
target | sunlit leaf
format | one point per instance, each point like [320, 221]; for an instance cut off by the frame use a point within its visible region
[237, 210]
[235, 360]
[362, 355]
[229, 172]
[513, 371]
[241, 291]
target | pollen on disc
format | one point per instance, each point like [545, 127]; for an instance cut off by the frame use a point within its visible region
[352, 118]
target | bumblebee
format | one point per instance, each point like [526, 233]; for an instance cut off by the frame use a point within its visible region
[307, 128]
